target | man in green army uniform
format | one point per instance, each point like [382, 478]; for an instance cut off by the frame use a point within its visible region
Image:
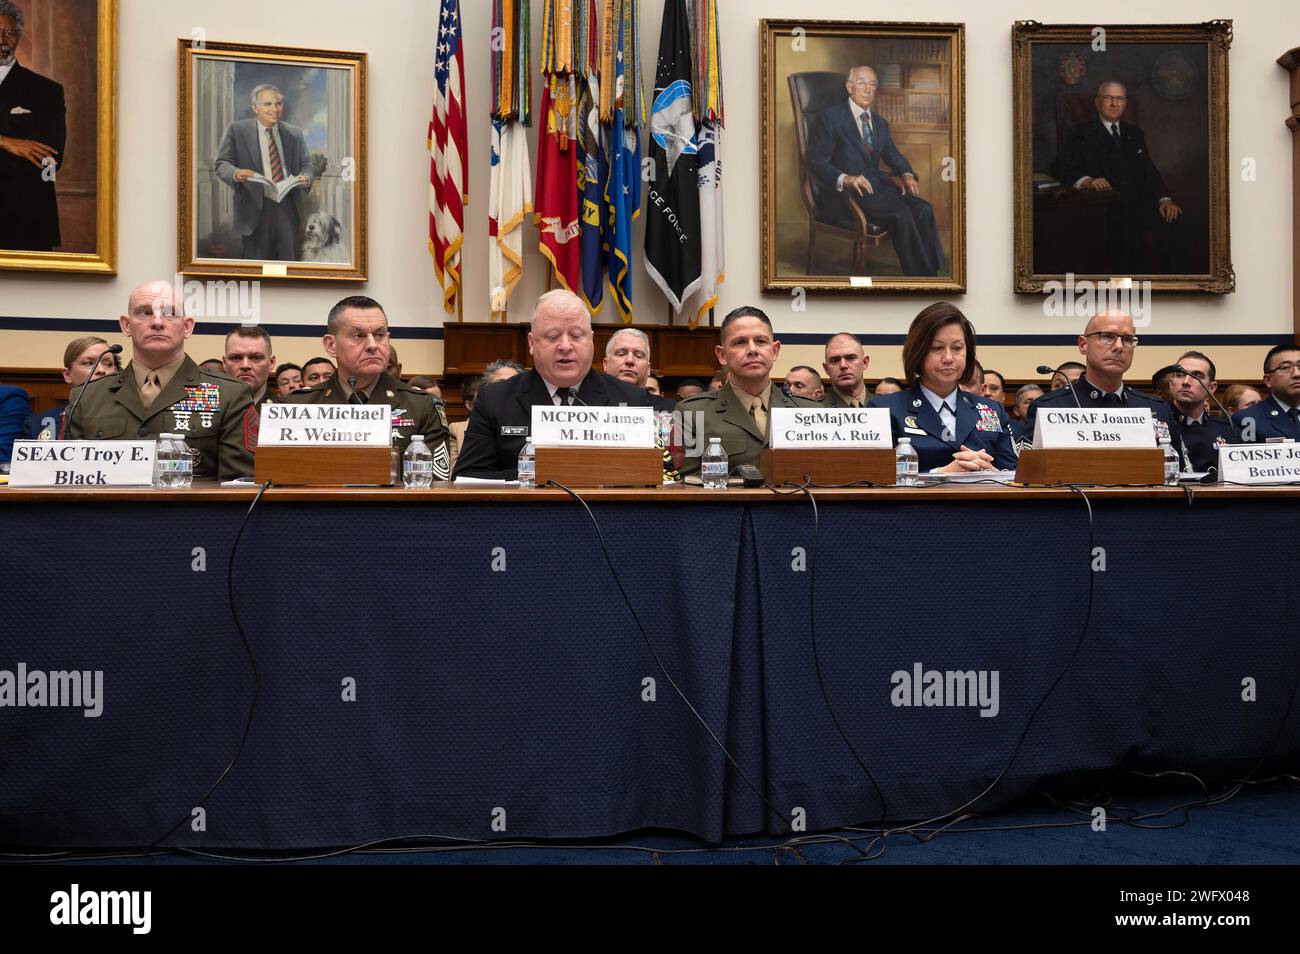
[738, 412]
[356, 337]
[162, 391]
[846, 364]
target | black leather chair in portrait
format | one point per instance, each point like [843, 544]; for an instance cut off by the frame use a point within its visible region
[810, 93]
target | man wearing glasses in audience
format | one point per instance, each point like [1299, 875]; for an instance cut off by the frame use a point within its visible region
[1107, 344]
[1277, 417]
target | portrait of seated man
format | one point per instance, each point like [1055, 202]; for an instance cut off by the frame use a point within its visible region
[849, 151]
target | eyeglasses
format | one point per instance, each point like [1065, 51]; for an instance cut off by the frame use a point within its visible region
[1287, 367]
[1108, 339]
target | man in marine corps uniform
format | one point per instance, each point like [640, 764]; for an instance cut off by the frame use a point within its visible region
[162, 391]
[356, 336]
[739, 411]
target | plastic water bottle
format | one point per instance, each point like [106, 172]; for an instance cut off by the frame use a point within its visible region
[394, 462]
[417, 464]
[714, 466]
[172, 464]
[528, 464]
[1171, 462]
[907, 463]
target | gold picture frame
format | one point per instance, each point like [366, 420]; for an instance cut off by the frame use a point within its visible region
[73, 186]
[1174, 121]
[317, 233]
[814, 237]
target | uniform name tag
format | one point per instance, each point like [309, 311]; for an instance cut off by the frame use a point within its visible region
[1093, 427]
[82, 464]
[514, 430]
[1259, 463]
[315, 425]
[593, 426]
[851, 427]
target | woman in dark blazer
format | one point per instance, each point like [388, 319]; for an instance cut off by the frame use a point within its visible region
[953, 431]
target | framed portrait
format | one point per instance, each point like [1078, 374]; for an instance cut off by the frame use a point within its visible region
[58, 135]
[863, 156]
[272, 155]
[1121, 155]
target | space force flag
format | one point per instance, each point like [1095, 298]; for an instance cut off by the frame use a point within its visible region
[672, 230]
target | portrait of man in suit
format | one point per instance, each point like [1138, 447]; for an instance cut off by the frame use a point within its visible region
[849, 144]
[1121, 156]
[33, 134]
[257, 150]
[1108, 155]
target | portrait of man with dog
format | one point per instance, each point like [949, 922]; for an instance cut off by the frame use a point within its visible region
[270, 155]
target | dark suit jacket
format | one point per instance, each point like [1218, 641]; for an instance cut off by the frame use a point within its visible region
[503, 416]
[982, 424]
[241, 149]
[1090, 397]
[44, 425]
[31, 211]
[1269, 421]
[837, 147]
[1090, 151]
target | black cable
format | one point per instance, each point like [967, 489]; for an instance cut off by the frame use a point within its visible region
[252, 664]
[1074, 653]
[817, 665]
[600, 536]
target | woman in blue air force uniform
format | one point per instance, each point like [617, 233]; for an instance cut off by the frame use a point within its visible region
[953, 431]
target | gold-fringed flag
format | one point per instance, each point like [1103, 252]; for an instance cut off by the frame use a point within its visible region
[510, 198]
[557, 147]
[593, 156]
[708, 123]
[449, 155]
[621, 86]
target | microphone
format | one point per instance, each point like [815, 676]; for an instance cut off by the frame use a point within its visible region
[355, 397]
[1046, 369]
[67, 418]
[1232, 427]
[573, 393]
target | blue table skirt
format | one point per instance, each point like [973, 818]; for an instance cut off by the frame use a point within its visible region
[503, 690]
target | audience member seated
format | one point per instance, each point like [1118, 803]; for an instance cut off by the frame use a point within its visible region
[803, 381]
[84, 359]
[288, 378]
[846, 364]
[1277, 417]
[317, 371]
[1239, 397]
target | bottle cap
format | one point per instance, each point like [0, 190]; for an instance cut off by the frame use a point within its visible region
[417, 437]
[166, 437]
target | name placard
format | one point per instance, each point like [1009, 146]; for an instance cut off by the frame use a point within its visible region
[1259, 463]
[593, 426]
[839, 427]
[1094, 427]
[82, 464]
[321, 425]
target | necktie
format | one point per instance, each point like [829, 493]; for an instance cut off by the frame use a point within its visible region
[1114, 134]
[277, 167]
[1294, 414]
[759, 414]
[150, 389]
[866, 132]
[949, 418]
[564, 396]
[855, 403]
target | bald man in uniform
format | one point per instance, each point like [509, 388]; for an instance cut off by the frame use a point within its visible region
[163, 391]
[1108, 344]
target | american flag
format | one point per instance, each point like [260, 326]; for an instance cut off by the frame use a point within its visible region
[449, 147]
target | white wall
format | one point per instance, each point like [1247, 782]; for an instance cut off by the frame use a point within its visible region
[398, 35]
